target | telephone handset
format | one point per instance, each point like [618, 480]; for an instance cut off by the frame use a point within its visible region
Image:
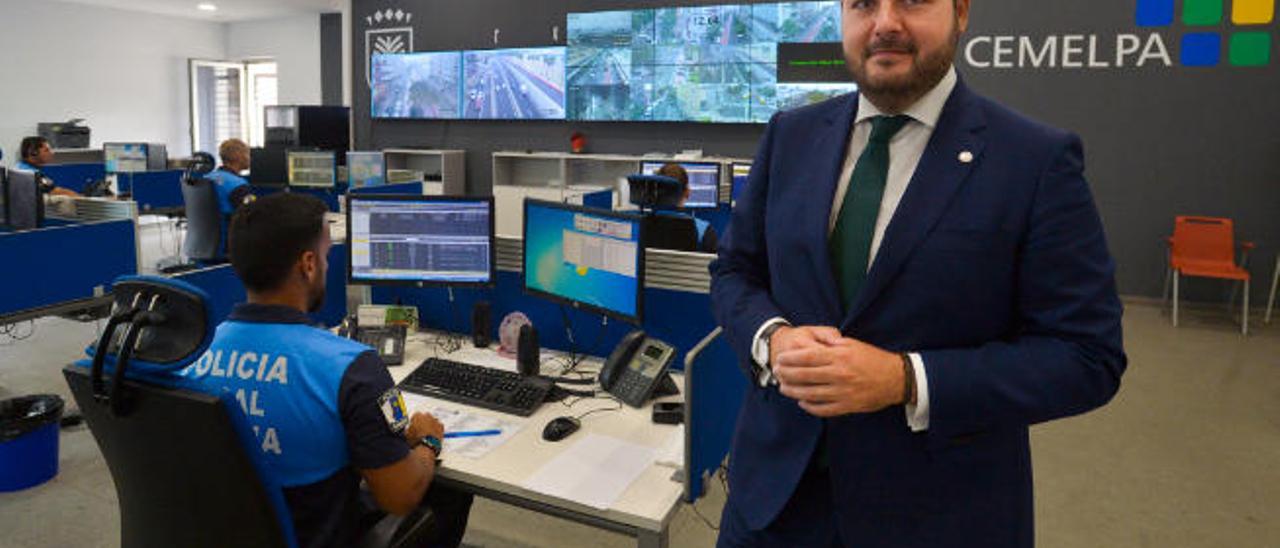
[636, 368]
[388, 340]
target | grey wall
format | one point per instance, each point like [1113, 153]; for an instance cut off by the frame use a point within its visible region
[331, 59]
[1160, 141]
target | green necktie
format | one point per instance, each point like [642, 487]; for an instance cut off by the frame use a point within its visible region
[850, 241]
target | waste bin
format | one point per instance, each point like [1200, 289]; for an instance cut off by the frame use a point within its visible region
[29, 441]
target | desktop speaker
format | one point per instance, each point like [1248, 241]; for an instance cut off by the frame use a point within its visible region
[528, 360]
[481, 324]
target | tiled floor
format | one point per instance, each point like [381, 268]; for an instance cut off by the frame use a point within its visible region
[1185, 456]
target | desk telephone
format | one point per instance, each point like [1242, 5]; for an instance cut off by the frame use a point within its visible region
[388, 340]
[637, 369]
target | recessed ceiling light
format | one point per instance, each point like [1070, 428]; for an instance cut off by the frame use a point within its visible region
[206, 7]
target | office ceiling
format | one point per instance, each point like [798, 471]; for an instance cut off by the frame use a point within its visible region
[228, 10]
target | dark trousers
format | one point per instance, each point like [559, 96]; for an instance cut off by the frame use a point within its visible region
[450, 509]
[807, 521]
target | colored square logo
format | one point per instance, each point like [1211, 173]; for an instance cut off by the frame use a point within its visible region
[1250, 49]
[1201, 13]
[1155, 13]
[1253, 12]
[1203, 49]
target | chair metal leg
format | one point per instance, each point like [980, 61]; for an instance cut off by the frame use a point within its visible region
[1244, 327]
[1176, 278]
[1275, 280]
[1164, 293]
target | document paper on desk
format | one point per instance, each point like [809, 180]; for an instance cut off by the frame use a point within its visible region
[456, 420]
[595, 471]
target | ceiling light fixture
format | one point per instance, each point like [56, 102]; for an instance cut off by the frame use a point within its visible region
[206, 7]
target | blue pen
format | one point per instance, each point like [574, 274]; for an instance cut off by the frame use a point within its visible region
[471, 434]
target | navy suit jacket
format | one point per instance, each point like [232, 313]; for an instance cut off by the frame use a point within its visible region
[995, 270]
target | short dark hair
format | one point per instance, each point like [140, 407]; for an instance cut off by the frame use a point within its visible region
[677, 172]
[267, 237]
[31, 146]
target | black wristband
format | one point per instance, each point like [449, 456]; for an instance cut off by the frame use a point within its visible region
[908, 379]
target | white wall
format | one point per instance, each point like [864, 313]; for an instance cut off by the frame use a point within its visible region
[294, 42]
[124, 72]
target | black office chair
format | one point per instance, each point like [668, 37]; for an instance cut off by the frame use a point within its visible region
[662, 230]
[178, 458]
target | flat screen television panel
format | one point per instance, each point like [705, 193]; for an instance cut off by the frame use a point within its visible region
[417, 85]
[514, 84]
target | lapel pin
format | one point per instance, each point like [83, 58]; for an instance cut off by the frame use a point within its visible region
[966, 157]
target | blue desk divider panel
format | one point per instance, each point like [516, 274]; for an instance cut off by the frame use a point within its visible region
[330, 197]
[59, 264]
[74, 176]
[412, 189]
[601, 200]
[718, 388]
[718, 217]
[225, 290]
[156, 189]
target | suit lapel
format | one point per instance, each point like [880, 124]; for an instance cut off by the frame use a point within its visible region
[827, 156]
[938, 176]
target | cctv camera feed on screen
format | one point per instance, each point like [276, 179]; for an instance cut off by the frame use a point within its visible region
[514, 84]
[417, 85]
[704, 64]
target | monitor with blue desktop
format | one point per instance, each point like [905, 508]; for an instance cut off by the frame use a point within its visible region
[364, 170]
[740, 173]
[312, 169]
[704, 182]
[420, 240]
[125, 157]
[592, 259]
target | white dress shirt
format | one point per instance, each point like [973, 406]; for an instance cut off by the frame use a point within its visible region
[905, 150]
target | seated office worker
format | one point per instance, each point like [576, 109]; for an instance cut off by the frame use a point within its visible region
[36, 153]
[316, 408]
[914, 276]
[707, 237]
[233, 190]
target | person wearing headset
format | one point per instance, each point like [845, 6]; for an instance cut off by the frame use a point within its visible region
[36, 153]
[233, 190]
[707, 237]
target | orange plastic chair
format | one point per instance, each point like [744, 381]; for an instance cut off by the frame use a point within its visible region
[1204, 247]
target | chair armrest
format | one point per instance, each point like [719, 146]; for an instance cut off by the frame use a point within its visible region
[400, 531]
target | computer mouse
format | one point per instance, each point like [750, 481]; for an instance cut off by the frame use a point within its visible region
[559, 428]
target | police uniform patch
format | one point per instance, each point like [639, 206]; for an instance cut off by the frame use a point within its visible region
[393, 409]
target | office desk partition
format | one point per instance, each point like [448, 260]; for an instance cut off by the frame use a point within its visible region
[64, 268]
[158, 190]
[644, 510]
[74, 176]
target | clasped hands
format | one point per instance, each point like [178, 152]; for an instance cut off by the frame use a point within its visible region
[832, 375]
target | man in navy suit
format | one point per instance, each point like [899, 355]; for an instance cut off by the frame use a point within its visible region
[914, 276]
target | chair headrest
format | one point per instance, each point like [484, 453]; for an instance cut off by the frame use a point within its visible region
[202, 163]
[178, 322]
[655, 191]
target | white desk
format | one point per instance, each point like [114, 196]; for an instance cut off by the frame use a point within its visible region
[645, 509]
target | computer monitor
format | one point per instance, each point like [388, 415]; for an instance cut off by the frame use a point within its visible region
[267, 167]
[704, 182]
[125, 157]
[740, 173]
[24, 206]
[420, 240]
[364, 169]
[312, 169]
[592, 259]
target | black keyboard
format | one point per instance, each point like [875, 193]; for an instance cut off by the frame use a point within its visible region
[495, 389]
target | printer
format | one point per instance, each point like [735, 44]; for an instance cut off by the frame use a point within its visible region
[69, 134]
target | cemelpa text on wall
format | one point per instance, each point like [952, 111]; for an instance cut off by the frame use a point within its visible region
[1067, 51]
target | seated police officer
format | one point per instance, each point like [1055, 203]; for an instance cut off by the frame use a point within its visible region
[233, 190]
[707, 237]
[315, 400]
[36, 153]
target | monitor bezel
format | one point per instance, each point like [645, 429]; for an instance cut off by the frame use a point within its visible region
[288, 169]
[493, 244]
[146, 152]
[641, 260]
[719, 179]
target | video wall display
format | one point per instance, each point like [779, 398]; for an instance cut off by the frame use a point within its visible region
[700, 64]
[417, 85]
[514, 84]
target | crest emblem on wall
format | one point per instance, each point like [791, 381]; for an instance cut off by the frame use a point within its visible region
[386, 31]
